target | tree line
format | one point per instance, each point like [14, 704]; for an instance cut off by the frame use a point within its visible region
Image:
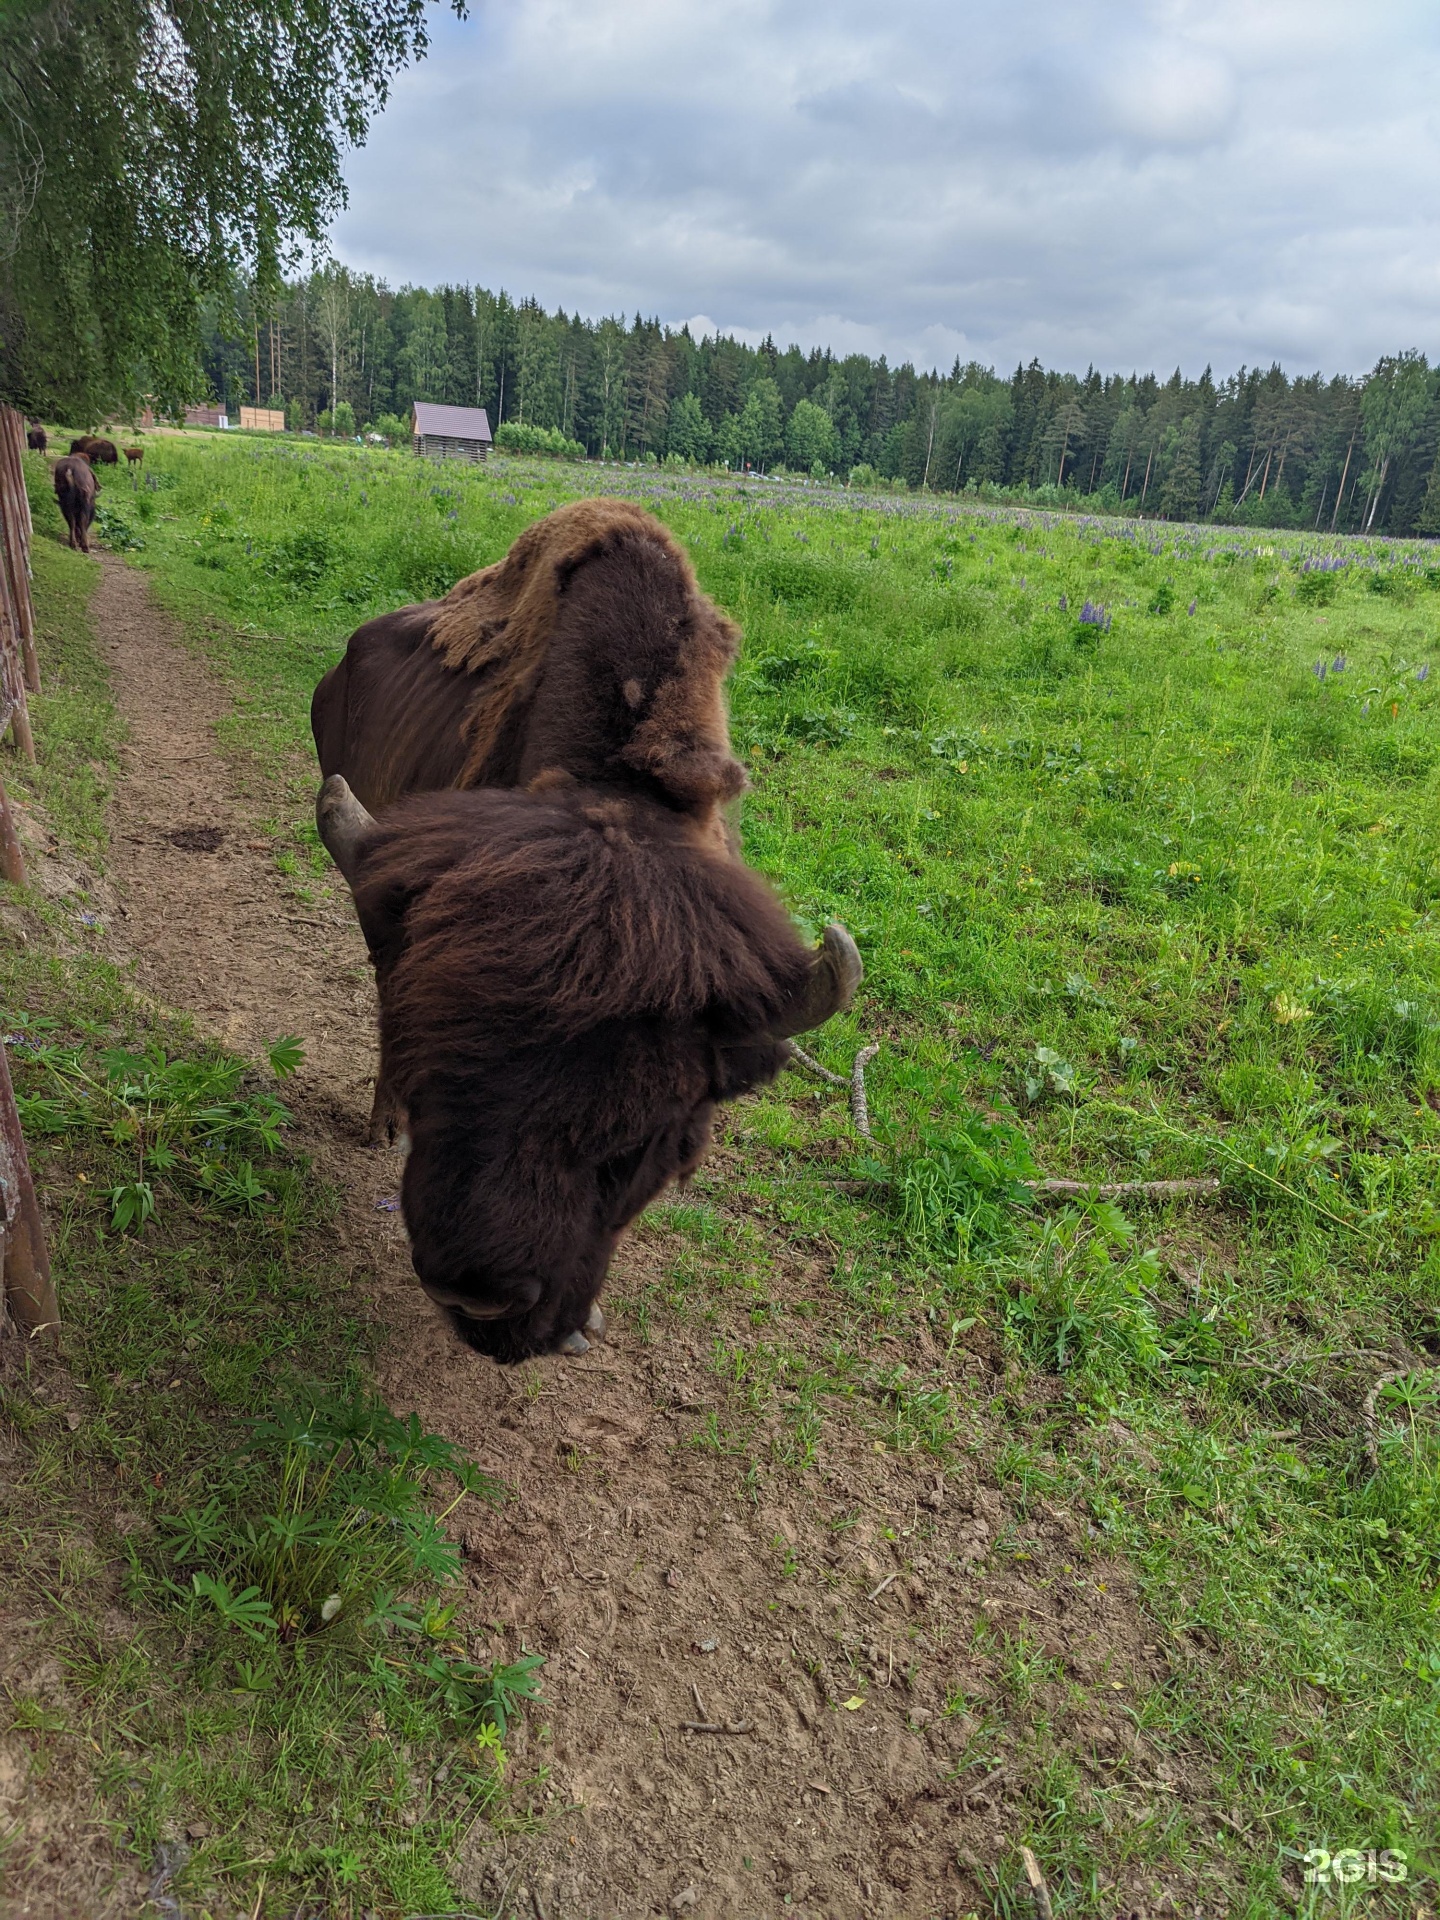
[342, 351]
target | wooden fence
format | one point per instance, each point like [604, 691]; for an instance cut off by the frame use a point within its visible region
[29, 1293]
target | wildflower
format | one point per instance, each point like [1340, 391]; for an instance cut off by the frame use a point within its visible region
[1422, 672]
[1337, 665]
[1287, 1011]
[1191, 609]
[1092, 615]
[1064, 603]
[1319, 670]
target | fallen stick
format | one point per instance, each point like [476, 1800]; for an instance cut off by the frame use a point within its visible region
[888, 1581]
[1119, 1189]
[1372, 1424]
[715, 1726]
[1039, 1892]
[812, 1065]
[859, 1105]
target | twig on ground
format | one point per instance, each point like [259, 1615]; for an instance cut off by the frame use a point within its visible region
[859, 1105]
[1372, 1424]
[1039, 1892]
[1120, 1189]
[812, 1065]
[700, 1706]
[716, 1726]
[888, 1581]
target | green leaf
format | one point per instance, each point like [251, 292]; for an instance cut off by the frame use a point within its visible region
[286, 1055]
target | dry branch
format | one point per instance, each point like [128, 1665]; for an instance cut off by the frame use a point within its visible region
[1039, 1892]
[1123, 1189]
[812, 1065]
[859, 1105]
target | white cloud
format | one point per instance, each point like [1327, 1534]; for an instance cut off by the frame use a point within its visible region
[1133, 185]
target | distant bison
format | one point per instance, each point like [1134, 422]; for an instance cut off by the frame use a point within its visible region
[573, 964]
[100, 453]
[75, 492]
[36, 441]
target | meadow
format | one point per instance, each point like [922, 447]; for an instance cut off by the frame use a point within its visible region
[1136, 827]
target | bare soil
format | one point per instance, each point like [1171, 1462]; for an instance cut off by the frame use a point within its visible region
[661, 1589]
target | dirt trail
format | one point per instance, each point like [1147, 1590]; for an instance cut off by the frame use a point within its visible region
[657, 1588]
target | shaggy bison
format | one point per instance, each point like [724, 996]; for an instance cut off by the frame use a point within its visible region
[570, 979]
[100, 453]
[36, 441]
[573, 964]
[75, 492]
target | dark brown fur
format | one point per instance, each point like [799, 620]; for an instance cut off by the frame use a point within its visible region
[75, 492]
[588, 648]
[36, 441]
[569, 980]
[99, 453]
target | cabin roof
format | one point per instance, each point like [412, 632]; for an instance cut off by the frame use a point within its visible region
[452, 423]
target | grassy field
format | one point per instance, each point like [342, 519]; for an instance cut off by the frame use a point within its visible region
[1138, 828]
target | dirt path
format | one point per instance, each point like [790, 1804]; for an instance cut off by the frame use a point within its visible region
[658, 1588]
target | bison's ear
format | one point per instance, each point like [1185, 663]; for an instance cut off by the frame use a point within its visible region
[835, 974]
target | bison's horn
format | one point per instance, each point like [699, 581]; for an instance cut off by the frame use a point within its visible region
[344, 824]
[835, 973]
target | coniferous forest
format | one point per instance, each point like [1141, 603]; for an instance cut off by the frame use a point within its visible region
[341, 351]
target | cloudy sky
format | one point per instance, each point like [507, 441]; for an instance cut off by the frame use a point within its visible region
[1134, 183]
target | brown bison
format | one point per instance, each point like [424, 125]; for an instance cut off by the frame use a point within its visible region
[100, 453]
[75, 492]
[36, 441]
[570, 979]
[573, 964]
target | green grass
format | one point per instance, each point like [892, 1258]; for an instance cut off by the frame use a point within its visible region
[1138, 900]
[224, 1576]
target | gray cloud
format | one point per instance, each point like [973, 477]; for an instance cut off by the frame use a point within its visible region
[1133, 185]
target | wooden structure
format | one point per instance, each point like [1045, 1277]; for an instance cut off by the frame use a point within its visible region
[29, 1293]
[263, 419]
[451, 433]
[206, 417]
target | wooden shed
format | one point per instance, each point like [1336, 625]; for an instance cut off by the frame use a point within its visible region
[451, 433]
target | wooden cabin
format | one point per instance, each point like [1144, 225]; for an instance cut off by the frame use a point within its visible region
[451, 433]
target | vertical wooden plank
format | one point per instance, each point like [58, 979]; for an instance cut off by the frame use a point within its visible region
[29, 1289]
[12, 858]
[12, 679]
[15, 513]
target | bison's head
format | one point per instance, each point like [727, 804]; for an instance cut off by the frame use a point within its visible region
[566, 989]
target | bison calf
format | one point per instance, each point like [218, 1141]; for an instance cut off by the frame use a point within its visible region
[570, 979]
[36, 441]
[75, 492]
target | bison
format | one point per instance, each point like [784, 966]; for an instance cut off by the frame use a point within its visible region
[573, 964]
[571, 978]
[100, 453]
[589, 648]
[36, 441]
[75, 492]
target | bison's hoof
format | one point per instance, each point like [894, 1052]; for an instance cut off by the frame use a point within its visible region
[575, 1343]
[595, 1325]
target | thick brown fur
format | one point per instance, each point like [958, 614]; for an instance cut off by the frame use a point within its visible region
[36, 441]
[97, 452]
[569, 980]
[589, 648]
[75, 493]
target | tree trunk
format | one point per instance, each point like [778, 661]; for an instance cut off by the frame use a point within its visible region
[1379, 489]
[1340, 490]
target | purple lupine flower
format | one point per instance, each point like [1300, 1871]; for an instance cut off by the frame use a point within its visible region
[1319, 670]
[1364, 710]
[1337, 665]
[1191, 608]
[1064, 603]
[1092, 615]
[1423, 672]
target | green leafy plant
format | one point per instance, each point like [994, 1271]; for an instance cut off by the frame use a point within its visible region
[958, 1190]
[186, 1123]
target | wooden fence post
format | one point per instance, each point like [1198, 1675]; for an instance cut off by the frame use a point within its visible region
[29, 1290]
[18, 528]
